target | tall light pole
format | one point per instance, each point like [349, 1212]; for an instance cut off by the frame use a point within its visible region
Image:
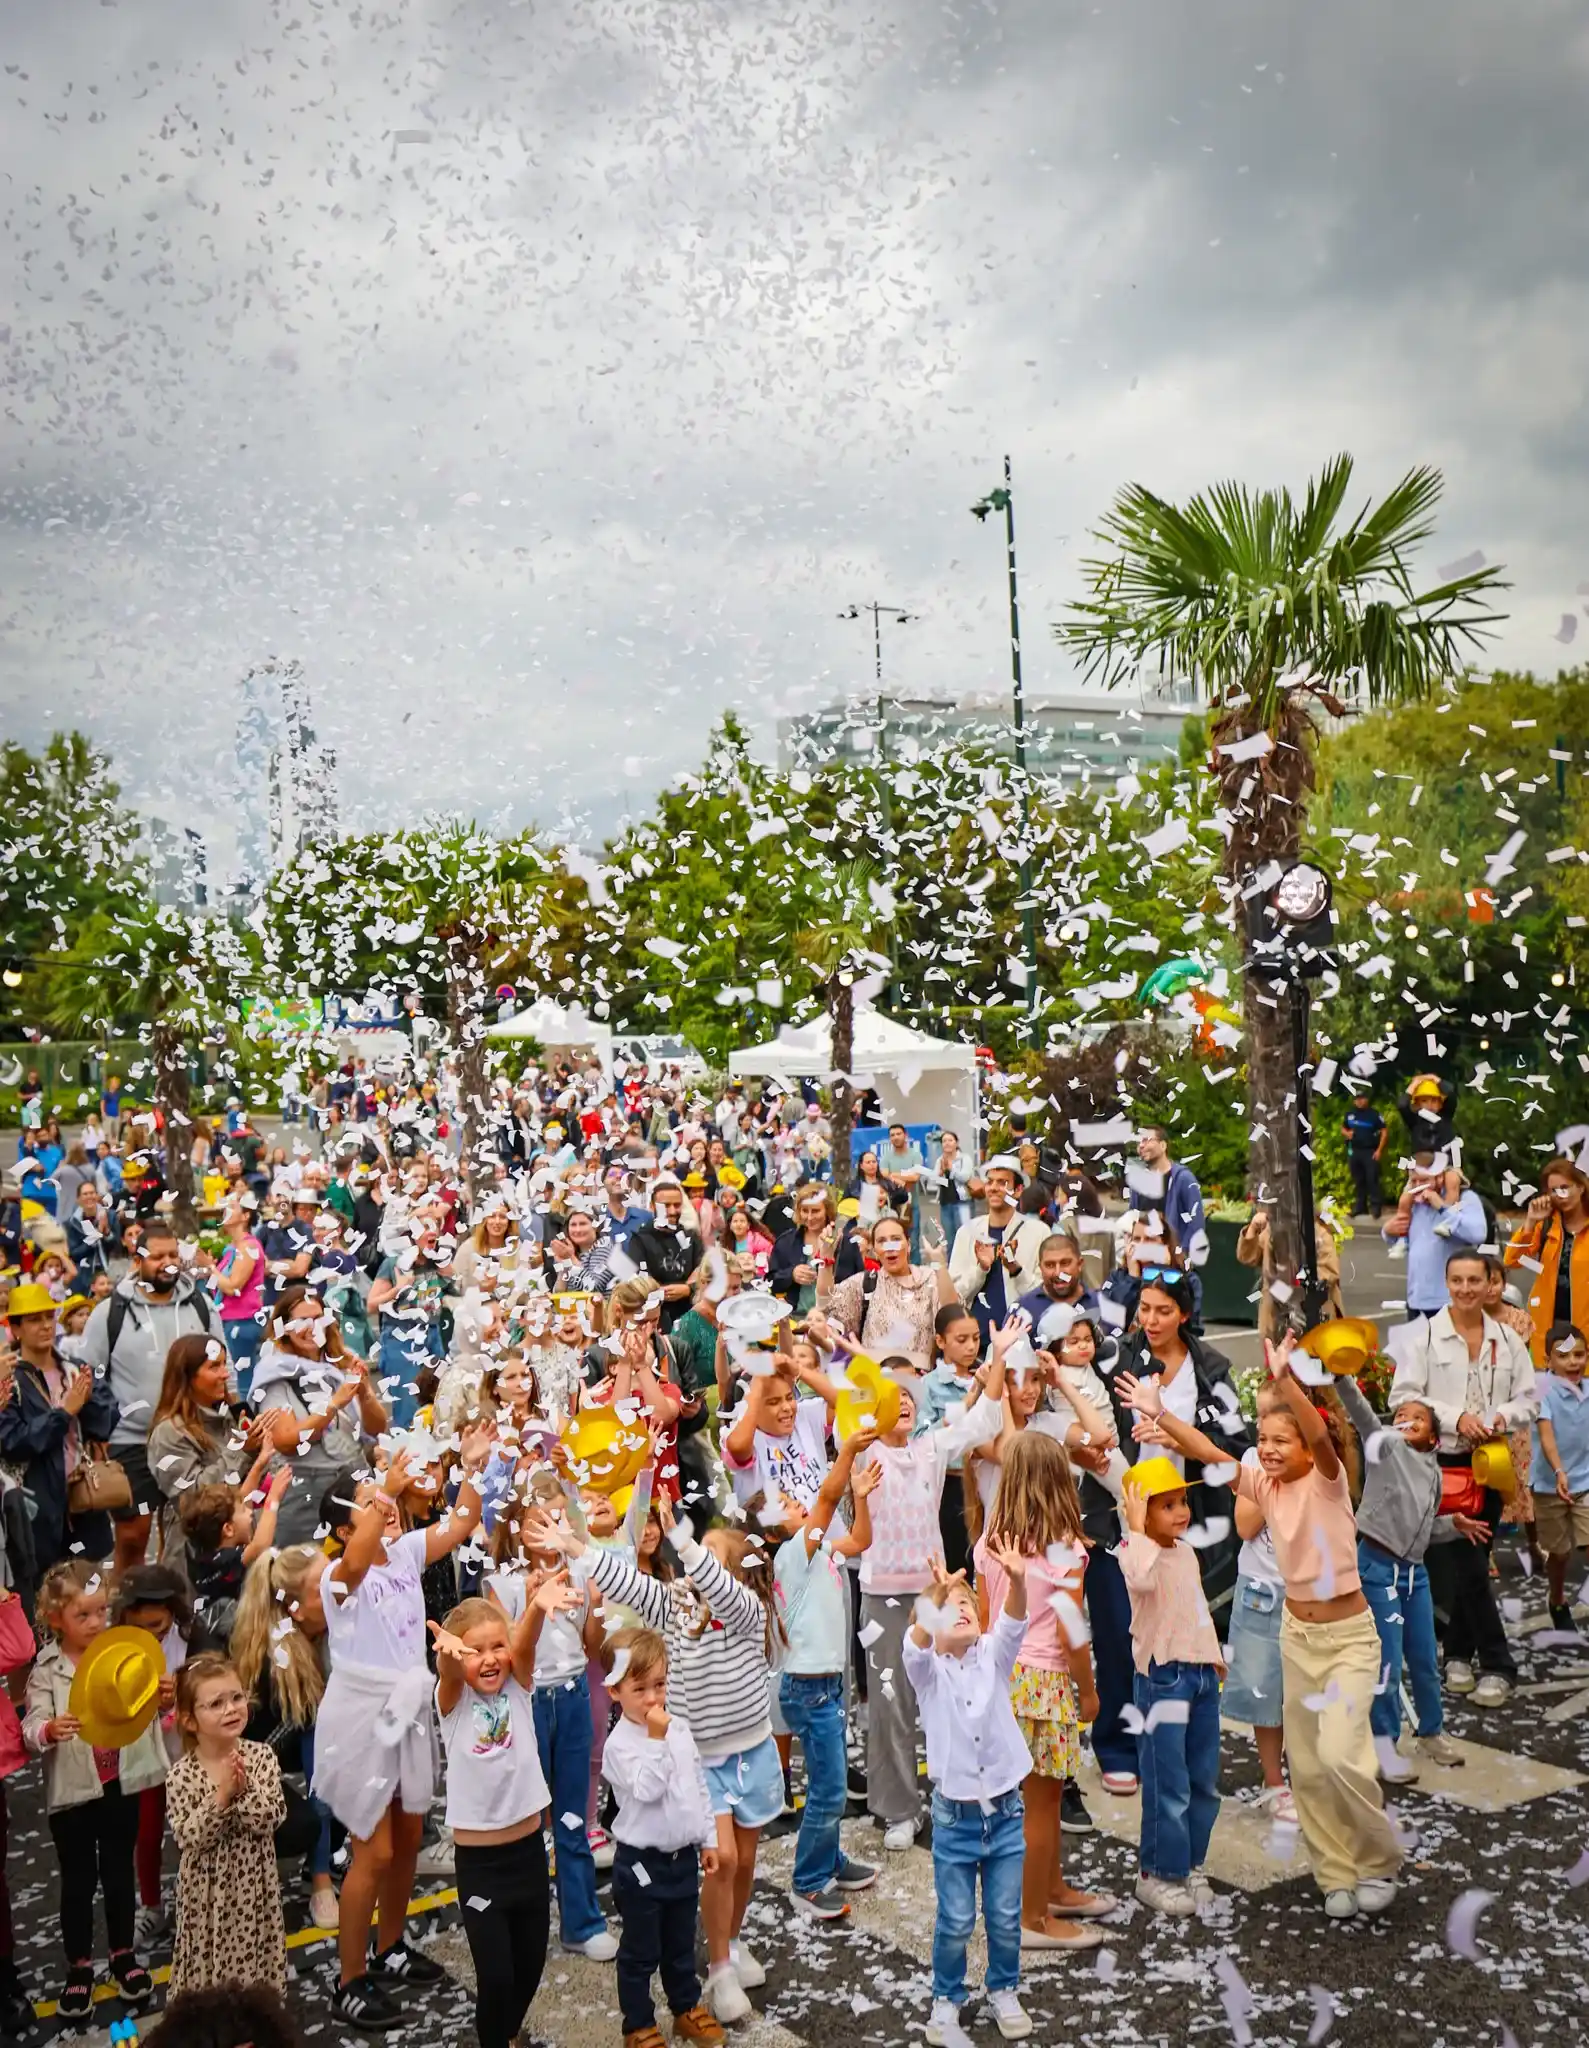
[1003, 500]
[901, 618]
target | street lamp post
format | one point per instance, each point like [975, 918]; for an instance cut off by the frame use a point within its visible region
[1003, 500]
[901, 617]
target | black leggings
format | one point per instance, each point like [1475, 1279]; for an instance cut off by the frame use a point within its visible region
[506, 1909]
[95, 1844]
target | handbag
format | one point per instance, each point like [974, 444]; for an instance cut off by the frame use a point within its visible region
[17, 1646]
[99, 1485]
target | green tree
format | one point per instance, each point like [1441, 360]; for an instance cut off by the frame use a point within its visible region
[176, 978]
[844, 942]
[70, 854]
[1276, 610]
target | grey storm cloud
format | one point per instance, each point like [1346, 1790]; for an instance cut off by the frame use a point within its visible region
[548, 377]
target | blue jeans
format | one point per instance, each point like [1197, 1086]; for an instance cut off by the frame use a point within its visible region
[1404, 1614]
[243, 1339]
[814, 1711]
[966, 1840]
[562, 1734]
[1109, 1611]
[320, 1854]
[953, 1216]
[1178, 1760]
[406, 1349]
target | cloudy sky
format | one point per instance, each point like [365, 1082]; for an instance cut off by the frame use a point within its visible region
[548, 375]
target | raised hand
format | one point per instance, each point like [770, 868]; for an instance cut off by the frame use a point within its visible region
[450, 1649]
[396, 1479]
[1006, 1555]
[866, 1480]
[1141, 1395]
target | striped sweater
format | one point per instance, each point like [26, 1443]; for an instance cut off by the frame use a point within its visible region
[717, 1680]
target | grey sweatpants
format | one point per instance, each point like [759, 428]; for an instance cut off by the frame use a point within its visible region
[891, 1784]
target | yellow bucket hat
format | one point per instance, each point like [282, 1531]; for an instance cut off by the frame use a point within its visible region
[1344, 1345]
[116, 1687]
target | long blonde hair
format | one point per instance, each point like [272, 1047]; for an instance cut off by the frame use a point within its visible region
[1036, 1503]
[265, 1650]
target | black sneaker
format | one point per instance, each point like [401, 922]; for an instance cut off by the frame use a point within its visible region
[404, 1964]
[132, 1979]
[1074, 1819]
[1561, 1620]
[367, 2005]
[76, 2002]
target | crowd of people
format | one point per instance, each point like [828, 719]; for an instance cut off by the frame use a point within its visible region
[655, 1482]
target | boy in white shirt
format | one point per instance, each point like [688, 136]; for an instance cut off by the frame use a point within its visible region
[666, 1836]
[976, 1759]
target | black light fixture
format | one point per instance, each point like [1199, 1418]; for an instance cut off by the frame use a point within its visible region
[1291, 924]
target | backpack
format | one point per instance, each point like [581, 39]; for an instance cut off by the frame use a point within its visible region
[121, 1305]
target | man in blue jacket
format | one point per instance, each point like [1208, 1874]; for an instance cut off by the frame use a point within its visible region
[1179, 1198]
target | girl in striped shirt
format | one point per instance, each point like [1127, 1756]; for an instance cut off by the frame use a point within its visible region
[722, 1629]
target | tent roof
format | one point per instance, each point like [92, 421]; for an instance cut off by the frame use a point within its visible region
[880, 1043]
[550, 1024]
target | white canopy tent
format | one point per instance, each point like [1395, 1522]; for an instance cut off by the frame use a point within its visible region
[920, 1080]
[556, 1030]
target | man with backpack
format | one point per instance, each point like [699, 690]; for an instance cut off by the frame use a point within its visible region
[126, 1341]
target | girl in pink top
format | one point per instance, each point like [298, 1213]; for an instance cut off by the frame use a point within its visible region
[1036, 1513]
[1329, 1646]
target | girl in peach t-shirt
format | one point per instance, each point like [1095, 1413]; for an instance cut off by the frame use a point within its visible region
[1329, 1646]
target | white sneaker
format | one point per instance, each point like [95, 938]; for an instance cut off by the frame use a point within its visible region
[944, 2029]
[1459, 1676]
[1374, 1894]
[1394, 1768]
[1439, 1749]
[150, 1924]
[324, 1912]
[1009, 2015]
[1492, 1690]
[1200, 1888]
[1340, 1905]
[902, 1835]
[725, 1995]
[1164, 1897]
[438, 1858]
[601, 1948]
[746, 1968]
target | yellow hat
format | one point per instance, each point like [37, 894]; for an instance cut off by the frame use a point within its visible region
[1343, 1346]
[116, 1686]
[1426, 1084]
[694, 1180]
[870, 1401]
[622, 1500]
[73, 1301]
[729, 1175]
[849, 1206]
[1492, 1466]
[30, 1299]
[1155, 1475]
[607, 1452]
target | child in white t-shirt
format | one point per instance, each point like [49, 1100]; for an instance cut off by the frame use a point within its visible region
[496, 1795]
[777, 1443]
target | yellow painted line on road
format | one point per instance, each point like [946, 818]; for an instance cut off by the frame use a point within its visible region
[305, 1937]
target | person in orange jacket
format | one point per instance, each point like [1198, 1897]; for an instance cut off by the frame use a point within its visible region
[1552, 1247]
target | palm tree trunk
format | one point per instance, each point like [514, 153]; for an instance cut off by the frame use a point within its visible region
[172, 1099]
[466, 1018]
[841, 1017]
[1265, 802]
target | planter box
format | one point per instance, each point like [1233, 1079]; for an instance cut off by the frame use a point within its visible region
[1227, 1283]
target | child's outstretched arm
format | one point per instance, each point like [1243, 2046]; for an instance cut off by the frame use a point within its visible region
[862, 1486]
[368, 1539]
[264, 1536]
[831, 1492]
[443, 1538]
[1158, 1425]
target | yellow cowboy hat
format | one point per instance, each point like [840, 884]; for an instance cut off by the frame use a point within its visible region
[606, 1452]
[1343, 1346]
[729, 1176]
[1154, 1475]
[870, 1401]
[28, 1298]
[1493, 1467]
[116, 1686]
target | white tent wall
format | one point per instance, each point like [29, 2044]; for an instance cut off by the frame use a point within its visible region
[920, 1080]
[557, 1030]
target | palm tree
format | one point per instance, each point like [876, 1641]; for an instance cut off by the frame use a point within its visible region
[840, 945]
[176, 975]
[1276, 610]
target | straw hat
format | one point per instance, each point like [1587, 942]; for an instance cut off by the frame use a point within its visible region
[116, 1686]
[1155, 1475]
[1344, 1345]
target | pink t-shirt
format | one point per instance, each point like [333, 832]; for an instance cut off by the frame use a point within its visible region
[1170, 1621]
[1045, 1646]
[1314, 1530]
